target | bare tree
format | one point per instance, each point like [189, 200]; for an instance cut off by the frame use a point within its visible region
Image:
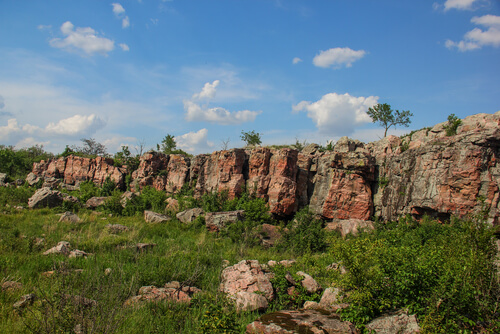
[140, 146]
[225, 143]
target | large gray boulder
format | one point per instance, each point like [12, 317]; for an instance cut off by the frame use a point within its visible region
[153, 217]
[399, 322]
[189, 215]
[215, 221]
[45, 197]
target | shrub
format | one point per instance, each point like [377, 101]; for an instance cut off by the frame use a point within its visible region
[219, 315]
[306, 235]
[449, 282]
[453, 123]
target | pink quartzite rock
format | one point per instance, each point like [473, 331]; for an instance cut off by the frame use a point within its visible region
[45, 197]
[223, 171]
[301, 321]
[352, 226]
[400, 323]
[215, 221]
[247, 276]
[170, 292]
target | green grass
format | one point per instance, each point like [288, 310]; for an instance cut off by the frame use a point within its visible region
[444, 273]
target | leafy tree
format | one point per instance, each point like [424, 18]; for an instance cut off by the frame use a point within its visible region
[90, 148]
[251, 138]
[168, 144]
[386, 117]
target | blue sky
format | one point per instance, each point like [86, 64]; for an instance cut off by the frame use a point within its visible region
[128, 72]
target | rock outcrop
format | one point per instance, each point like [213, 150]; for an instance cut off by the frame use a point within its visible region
[424, 173]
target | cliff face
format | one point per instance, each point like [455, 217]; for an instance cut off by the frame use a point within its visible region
[425, 173]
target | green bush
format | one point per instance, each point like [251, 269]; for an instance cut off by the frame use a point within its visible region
[453, 123]
[306, 235]
[443, 273]
[219, 314]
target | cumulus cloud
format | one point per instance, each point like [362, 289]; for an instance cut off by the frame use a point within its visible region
[194, 141]
[84, 39]
[124, 47]
[338, 57]
[119, 12]
[296, 60]
[459, 4]
[197, 112]
[208, 91]
[477, 38]
[338, 115]
[118, 9]
[75, 126]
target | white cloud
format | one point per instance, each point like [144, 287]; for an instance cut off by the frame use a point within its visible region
[336, 114]
[458, 4]
[76, 125]
[337, 57]
[194, 142]
[208, 91]
[197, 112]
[124, 47]
[118, 9]
[477, 38]
[125, 22]
[85, 39]
[296, 60]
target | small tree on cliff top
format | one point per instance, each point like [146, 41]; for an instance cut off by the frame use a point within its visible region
[251, 137]
[386, 117]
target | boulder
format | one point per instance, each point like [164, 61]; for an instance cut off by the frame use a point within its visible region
[215, 221]
[250, 301]
[11, 286]
[399, 322]
[309, 283]
[3, 179]
[350, 226]
[153, 217]
[62, 247]
[32, 179]
[127, 197]
[172, 204]
[69, 217]
[95, 202]
[331, 300]
[300, 321]
[26, 300]
[51, 182]
[189, 215]
[45, 197]
[269, 235]
[247, 276]
[78, 253]
[116, 228]
[172, 291]
[144, 247]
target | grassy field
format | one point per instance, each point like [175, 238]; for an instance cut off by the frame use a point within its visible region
[444, 273]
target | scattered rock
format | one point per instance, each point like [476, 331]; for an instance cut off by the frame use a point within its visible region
[63, 247]
[45, 197]
[107, 271]
[95, 202]
[336, 266]
[25, 301]
[3, 179]
[331, 300]
[11, 286]
[172, 291]
[400, 323]
[116, 228]
[144, 247]
[301, 321]
[51, 182]
[215, 221]
[172, 204]
[189, 215]
[153, 217]
[77, 253]
[32, 179]
[69, 217]
[269, 235]
[127, 197]
[353, 226]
